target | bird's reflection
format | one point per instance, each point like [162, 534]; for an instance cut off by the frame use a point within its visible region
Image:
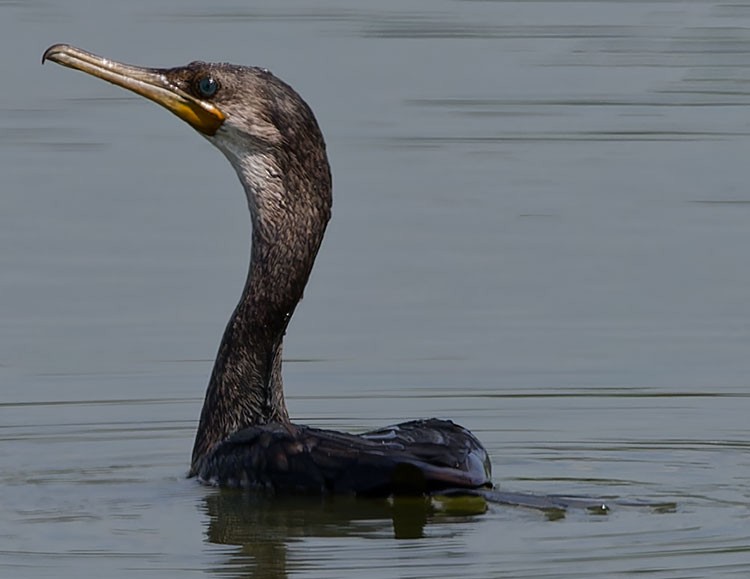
[264, 527]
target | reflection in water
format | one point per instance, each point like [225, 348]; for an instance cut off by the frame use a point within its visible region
[264, 527]
[268, 530]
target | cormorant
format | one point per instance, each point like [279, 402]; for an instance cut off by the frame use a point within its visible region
[245, 437]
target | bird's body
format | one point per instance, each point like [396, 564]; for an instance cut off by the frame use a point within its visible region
[415, 457]
[245, 437]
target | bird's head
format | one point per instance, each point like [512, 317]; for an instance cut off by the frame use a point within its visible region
[260, 123]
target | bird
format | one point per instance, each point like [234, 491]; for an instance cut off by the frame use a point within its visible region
[245, 437]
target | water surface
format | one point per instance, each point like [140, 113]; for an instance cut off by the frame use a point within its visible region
[540, 230]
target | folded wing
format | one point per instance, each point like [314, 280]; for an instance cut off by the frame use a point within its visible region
[414, 457]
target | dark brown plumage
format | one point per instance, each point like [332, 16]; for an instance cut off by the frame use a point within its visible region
[415, 457]
[245, 437]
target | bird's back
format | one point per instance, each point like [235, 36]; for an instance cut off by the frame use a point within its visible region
[414, 457]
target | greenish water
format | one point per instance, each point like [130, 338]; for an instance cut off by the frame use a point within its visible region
[540, 231]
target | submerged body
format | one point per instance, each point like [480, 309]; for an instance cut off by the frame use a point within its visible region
[245, 437]
[415, 457]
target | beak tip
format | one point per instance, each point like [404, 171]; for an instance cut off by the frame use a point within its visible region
[50, 53]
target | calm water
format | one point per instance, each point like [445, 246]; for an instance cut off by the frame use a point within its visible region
[541, 230]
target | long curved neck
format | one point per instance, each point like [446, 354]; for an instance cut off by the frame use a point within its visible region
[289, 218]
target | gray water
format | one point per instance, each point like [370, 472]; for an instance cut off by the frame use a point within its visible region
[541, 230]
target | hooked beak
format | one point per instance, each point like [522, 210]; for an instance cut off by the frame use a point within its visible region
[151, 83]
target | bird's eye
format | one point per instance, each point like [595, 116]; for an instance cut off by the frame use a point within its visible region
[208, 86]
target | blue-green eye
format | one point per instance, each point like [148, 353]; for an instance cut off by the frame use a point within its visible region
[208, 86]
